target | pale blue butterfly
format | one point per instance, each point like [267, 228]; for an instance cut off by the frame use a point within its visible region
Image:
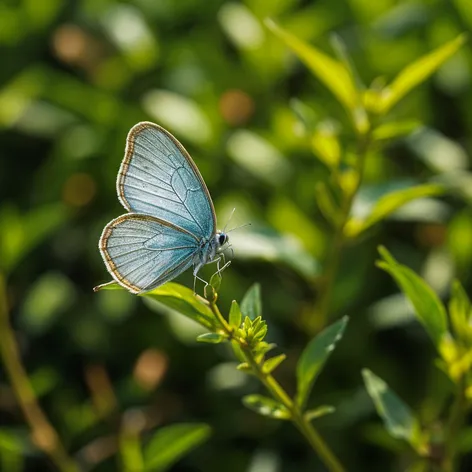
[171, 224]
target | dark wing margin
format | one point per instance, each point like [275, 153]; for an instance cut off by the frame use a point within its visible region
[142, 252]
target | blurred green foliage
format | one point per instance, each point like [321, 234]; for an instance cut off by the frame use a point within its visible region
[267, 136]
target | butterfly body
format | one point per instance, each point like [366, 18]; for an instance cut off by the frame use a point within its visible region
[171, 224]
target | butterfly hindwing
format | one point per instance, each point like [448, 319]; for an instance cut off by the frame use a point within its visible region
[158, 178]
[142, 252]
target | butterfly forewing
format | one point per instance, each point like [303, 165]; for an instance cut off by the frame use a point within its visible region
[158, 178]
[142, 252]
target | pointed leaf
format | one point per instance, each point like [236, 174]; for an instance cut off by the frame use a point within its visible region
[235, 316]
[170, 443]
[395, 129]
[215, 281]
[331, 72]
[185, 301]
[417, 72]
[460, 311]
[428, 308]
[396, 415]
[319, 412]
[212, 338]
[387, 204]
[244, 367]
[251, 304]
[266, 406]
[271, 364]
[314, 357]
[325, 145]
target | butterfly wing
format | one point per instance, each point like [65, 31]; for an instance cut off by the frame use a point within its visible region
[158, 177]
[142, 252]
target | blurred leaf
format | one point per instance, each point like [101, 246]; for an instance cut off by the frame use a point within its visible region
[235, 315]
[271, 364]
[417, 72]
[387, 204]
[211, 338]
[314, 357]
[251, 304]
[326, 204]
[258, 156]
[185, 301]
[19, 234]
[44, 380]
[328, 70]
[170, 443]
[51, 295]
[306, 115]
[266, 406]
[268, 245]
[326, 146]
[319, 411]
[396, 415]
[16, 441]
[460, 313]
[395, 129]
[428, 308]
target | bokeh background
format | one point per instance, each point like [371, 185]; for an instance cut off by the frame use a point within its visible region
[76, 75]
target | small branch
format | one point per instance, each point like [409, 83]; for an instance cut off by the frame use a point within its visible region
[277, 391]
[319, 318]
[43, 433]
[455, 421]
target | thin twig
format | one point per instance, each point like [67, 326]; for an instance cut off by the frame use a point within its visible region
[303, 425]
[43, 433]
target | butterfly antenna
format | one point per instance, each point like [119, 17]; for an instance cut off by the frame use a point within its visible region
[229, 219]
[238, 227]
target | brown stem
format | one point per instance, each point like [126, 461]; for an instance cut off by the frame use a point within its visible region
[44, 435]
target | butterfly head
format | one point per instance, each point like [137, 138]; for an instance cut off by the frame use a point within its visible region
[222, 238]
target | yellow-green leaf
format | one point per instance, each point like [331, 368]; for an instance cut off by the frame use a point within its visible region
[428, 308]
[170, 443]
[314, 357]
[331, 72]
[266, 406]
[395, 129]
[417, 72]
[387, 204]
[396, 415]
[325, 145]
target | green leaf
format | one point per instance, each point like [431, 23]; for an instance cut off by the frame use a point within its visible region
[314, 357]
[251, 304]
[185, 301]
[170, 443]
[395, 129]
[319, 412]
[215, 281]
[331, 72]
[460, 311]
[235, 315]
[271, 364]
[212, 338]
[396, 415]
[19, 234]
[245, 367]
[266, 406]
[326, 204]
[428, 308]
[417, 72]
[387, 204]
[326, 146]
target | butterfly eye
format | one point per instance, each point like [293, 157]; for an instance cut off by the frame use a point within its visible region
[222, 239]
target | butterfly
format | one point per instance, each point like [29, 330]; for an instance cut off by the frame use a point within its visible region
[171, 221]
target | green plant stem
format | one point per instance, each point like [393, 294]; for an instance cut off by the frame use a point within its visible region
[277, 391]
[456, 419]
[43, 433]
[319, 319]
